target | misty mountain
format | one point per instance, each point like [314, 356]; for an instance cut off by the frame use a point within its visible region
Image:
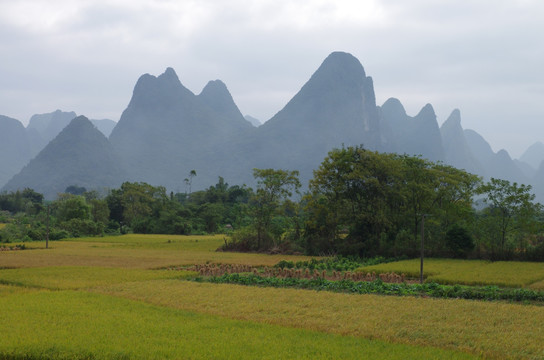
[104, 125]
[42, 128]
[497, 165]
[166, 130]
[79, 155]
[335, 107]
[14, 148]
[419, 135]
[253, 121]
[534, 155]
[218, 98]
[48, 126]
[538, 183]
[457, 152]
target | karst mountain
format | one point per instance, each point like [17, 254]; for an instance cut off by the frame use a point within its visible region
[167, 131]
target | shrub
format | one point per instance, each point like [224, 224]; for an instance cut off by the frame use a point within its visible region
[459, 241]
[78, 227]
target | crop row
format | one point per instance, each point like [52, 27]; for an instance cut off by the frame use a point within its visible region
[286, 273]
[13, 248]
[377, 286]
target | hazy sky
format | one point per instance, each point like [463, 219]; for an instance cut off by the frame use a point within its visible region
[484, 57]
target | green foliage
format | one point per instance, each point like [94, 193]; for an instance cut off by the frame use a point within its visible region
[82, 227]
[510, 216]
[27, 201]
[488, 293]
[75, 190]
[70, 207]
[366, 203]
[273, 187]
[338, 263]
[459, 241]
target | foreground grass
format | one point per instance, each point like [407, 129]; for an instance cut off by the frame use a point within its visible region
[496, 330]
[132, 309]
[469, 272]
[79, 325]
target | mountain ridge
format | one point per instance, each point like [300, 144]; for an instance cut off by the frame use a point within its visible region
[166, 131]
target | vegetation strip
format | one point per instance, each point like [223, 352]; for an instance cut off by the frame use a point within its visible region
[379, 287]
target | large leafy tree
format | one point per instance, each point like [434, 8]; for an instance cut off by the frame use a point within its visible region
[362, 202]
[273, 187]
[511, 210]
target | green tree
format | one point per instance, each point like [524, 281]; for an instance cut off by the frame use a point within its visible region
[273, 187]
[70, 207]
[189, 180]
[366, 203]
[510, 210]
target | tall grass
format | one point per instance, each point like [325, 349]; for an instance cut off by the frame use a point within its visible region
[134, 251]
[468, 272]
[183, 319]
[77, 325]
[57, 278]
[496, 330]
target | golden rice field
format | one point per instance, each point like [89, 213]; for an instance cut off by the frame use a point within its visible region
[470, 272]
[111, 298]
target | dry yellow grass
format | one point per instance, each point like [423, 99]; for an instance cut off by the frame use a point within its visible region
[539, 285]
[496, 330]
[470, 272]
[134, 251]
[72, 277]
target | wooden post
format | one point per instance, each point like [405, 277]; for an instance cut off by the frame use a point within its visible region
[47, 231]
[422, 248]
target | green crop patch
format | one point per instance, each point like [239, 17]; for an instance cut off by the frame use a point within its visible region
[77, 325]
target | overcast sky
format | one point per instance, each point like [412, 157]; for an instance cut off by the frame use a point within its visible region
[484, 57]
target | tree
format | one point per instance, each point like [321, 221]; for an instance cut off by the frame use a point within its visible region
[70, 207]
[189, 181]
[459, 241]
[510, 209]
[75, 190]
[438, 190]
[273, 186]
[136, 203]
[367, 203]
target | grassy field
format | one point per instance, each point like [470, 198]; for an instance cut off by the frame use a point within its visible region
[2, 225]
[110, 297]
[470, 272]
[134, 251]
[79, 325]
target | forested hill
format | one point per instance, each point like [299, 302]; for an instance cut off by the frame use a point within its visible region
[166, 131]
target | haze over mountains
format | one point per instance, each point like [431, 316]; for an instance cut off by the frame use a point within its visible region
[166, 131]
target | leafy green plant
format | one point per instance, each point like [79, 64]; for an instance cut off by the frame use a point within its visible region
[432, 289]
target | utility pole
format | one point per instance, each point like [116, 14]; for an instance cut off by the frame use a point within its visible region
[47, 232]
[422, 248]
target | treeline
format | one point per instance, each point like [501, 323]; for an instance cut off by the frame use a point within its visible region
[134, 207]
[359, 203]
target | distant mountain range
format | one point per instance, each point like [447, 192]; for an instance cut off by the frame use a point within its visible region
[166, 131]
